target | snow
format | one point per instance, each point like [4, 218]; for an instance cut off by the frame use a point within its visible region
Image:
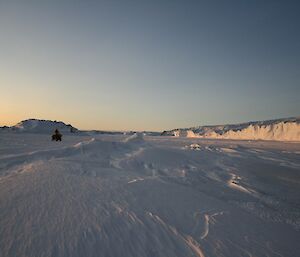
[136, 137]
[281, 129]
[42, 126]
[114, 195]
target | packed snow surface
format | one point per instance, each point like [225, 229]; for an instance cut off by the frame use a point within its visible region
[147, 196]
[281, 129]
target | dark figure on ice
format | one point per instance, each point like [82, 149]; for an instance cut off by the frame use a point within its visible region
[56, 136]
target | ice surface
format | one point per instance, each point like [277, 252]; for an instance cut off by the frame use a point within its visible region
[147, 196]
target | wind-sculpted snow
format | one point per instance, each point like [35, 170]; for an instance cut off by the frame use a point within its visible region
[281, 129]
[137, 137]
[147, 196]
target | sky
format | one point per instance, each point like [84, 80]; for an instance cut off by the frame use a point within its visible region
[149, 65]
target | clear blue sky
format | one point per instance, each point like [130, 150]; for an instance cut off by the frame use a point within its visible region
[149, 65]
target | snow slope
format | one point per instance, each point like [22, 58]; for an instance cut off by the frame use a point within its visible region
[42, 126]
[147, 196]
[280, 129]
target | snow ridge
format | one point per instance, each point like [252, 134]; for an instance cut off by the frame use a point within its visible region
[287, 129]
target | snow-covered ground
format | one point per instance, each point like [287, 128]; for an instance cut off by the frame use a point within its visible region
[287, 129]
[154, 196]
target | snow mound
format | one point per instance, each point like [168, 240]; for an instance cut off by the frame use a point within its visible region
[42, 126]
[281, 129]
[135, 138]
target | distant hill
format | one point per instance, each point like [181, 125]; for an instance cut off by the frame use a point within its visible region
[48, 126]
[42, 126]
[287, 129]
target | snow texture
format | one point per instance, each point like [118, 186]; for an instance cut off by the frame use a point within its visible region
[281, 129]
[109, 195]
[41, 126]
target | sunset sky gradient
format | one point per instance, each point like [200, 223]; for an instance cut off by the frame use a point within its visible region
[149, 65]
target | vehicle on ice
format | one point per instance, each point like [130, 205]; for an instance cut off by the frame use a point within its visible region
[56, 136]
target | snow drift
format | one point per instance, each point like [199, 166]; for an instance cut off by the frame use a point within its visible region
[106, 196]
[137, 137]
[280, 129]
